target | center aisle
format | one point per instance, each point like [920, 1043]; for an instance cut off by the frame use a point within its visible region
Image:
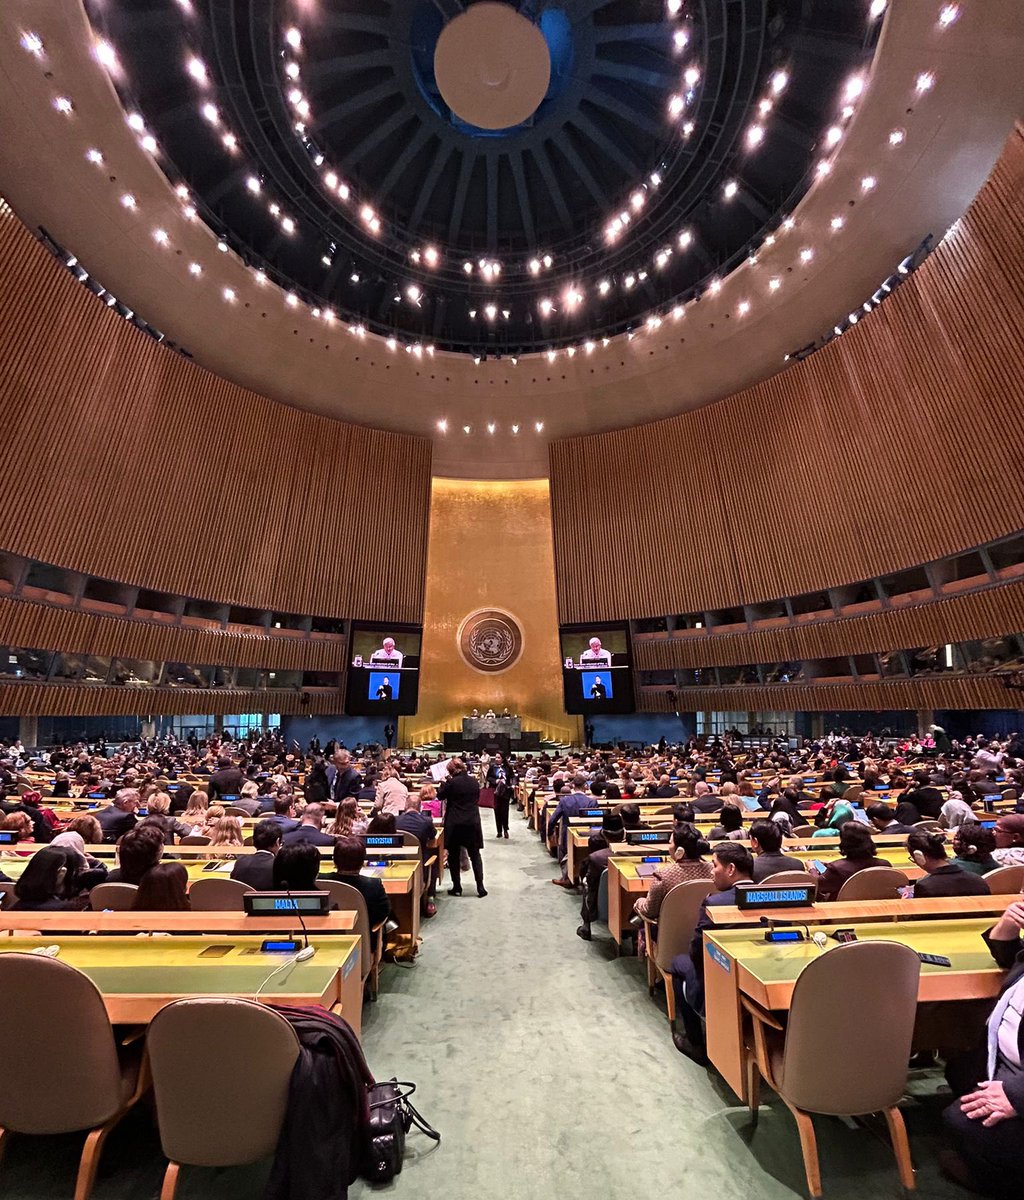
[549, 1072]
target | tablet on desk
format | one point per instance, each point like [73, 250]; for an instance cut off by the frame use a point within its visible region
[645, 870]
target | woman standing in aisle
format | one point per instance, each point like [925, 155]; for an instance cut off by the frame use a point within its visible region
[461, 796]
[502, 778]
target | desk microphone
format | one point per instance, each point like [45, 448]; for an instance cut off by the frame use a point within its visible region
[307, 950]
[778, 923]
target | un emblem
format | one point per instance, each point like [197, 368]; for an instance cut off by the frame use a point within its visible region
[490, 640]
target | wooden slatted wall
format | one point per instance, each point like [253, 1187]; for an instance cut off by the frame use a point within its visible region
[896, 444]
[991, 613]
[125, 460]
[47, 627]
[30, 699]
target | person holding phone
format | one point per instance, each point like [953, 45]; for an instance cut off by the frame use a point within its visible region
[857, 851]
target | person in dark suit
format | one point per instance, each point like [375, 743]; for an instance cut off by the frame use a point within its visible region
[389, 734]
[601, 847]
[858, 852]
[460, 794]
[943, 878]
[227, 780]
[384, 691]
[597, 690]
[417, 822]
[347, 780]
[766, 844]
[502, 778]
[140, 849]
[704, 799]
[666, 789]
[731, 864]
[257, 870]
[284, 814]
[986, 1120]
[118, 817]
[309, 829]
[349, 859]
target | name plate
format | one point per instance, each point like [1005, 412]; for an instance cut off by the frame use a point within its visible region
[796, 896]
[640, 837]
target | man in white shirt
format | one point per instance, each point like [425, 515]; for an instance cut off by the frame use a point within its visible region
[1009, 835]
[387, 655]
[595, 656]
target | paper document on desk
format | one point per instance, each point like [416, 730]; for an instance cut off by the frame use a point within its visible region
[372, 872]
[439, 771]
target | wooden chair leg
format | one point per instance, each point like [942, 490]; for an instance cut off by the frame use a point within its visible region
[170, 1184]
[91, 1158]
[901, 1147]
[753, 1084]
[809, 1149]
[670, 996]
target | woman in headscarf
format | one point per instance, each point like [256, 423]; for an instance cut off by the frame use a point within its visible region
[91, 870]
[833, 817]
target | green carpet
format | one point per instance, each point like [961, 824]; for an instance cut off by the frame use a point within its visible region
[548, 1070]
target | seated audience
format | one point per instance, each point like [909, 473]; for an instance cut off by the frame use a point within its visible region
[257, 869]
[20, 824]
[50, 882]
[163, 888]
[284, 814]
[296, 868]
[955, 811]
[600, 847]
[730, 824]
[417, 822]
[731, 864]
[766, 846]
[227, 832]
[630, 814]
[704, 800]
[381, 824]
[1009, 831]
[91, 871]
[883, 819]
[927, 848]
[195, 811]
[345, 817]
[140, 849]
[159, 806]
[309, 829]
[392, 796]
[857, 852]
[973, 846]
[687, 864]
[119, 817]
[349, 859]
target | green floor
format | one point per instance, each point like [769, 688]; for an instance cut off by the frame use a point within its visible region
[547, 1069]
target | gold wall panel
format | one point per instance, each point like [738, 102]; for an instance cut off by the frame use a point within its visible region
[490, 547]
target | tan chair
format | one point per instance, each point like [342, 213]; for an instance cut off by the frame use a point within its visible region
[7, 895]
[804, 831]
[249, 1052]
[873, 883]
[672, 933]
[346, 898]
[815, 1071]
[232, 811]
[218, 895]
[409, 839]
[927, 825]
[853, 792]
[1005, 881]
[195, 839]
[118, 897]
[790, 879]
[61, 1084]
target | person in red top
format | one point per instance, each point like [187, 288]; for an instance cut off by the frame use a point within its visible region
[858, 852]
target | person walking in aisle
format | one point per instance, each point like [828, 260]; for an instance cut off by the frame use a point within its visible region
[461, 796]
[502, 778]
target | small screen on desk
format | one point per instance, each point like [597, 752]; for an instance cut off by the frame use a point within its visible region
[639, 837]
[592, 812]
[764, 897]
[8, 836]
[266, 904]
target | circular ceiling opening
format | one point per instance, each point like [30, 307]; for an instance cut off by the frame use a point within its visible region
[492, 66]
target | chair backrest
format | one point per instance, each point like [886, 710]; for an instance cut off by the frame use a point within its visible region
[853, 792]
[791, 879]
[248, 1052]
[409, 838]
[232, 811]
[873, 883]
[1005, 881]
[346, 898]
[218, 895]
[602, 897]
[827, 1068]
[119, 897]
[804, 831]
[929, 824]
[195, 839]
[677, 919]
[7, 896]
[55, 1082]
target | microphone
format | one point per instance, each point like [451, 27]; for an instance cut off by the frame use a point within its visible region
[777, 923]
[307, 950]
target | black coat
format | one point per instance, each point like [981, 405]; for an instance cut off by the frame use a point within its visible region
[950, 880]
[257, 870]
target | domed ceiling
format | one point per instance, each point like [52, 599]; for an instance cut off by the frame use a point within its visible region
[493, 178]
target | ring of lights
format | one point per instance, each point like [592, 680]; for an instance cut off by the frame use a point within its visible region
[361, 256]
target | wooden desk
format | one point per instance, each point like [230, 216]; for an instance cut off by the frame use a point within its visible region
[196, 923]
[138, 976]
[740, 962]
[854, 911]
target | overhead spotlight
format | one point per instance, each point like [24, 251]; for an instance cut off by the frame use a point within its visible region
[788, 223]
[630, 282]
[94, 156]
[684, 240]
[343, 191]
[32, 42]
[833, 135]
[877, 8]
[853, 318]
[197, 69]
[222, 246]
[764, 107]
[291, 300]
[467, 266]
[210, 113]
[230, 142]
[539, 426]
[692, 77]
[106, 55]
[868, 183]
[778, 81]
[431, 256]
[775, 283]
[546, 307]
[743, 307]
[673, 6]
[354, 277]
[837, 222]
[63, 105]
[195, 269]
[413, 293]
[715, 286]
[260, 276]
[925, 82]
[897, 137]
[948, 15]
[491, 427]
[472, 314]
[806, 254]
[637, 200]
[854, 88]
[293, 38]
[229, 295]
[534, 266]
[515, 428]
[253, 184]
[135, 122]
[755, 136]
[128, 200]
[677, 312]
[572, 297]
[676, 104]
[823, 168]
[274, 209]
[442, 425]
[331, 179]
[287, 224]
[588, 347]
[148, 143]
[292, 70]
[550, 355]
[490, 311]
[681, 39]
[547, 260]
[160, 237]
[604, 287]
[730, 189]
[687, 129]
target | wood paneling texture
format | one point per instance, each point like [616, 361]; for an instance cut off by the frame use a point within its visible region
[894, 445]
[965, 692]
[990, 613]
[129, 462]
[47, 627]
[56, 700]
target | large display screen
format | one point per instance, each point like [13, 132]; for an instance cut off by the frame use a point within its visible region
[597, 668]
[384, 670]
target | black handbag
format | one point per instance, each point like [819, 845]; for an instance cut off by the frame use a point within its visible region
[391, 1118]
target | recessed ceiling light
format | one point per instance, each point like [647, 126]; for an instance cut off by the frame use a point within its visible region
[925, 81]
[755, 135]
[730, 189]
[897, 137]
[743, 308]
[197, 69]
[160, 236]
[443, 425]
[877, 8]
[833, 135]
[775, 284]
[293, 38]
[94, 156]
[778, 81]
[148, 143]
[105, 55]
[949, 14]
[692, 76]
[253, 184]
[806, 254]
[32, 42]
[195, 269]
[868, 183]
[538, 425]
[854, 87]
[128, 200]
[210, 112]
[837, 222]
[229, 294]
[63, 105]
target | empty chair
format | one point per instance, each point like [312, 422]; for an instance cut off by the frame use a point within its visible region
[61, 1084]
[346, 898]
[248, 1054]
[790, 879]
[195, 839]
[805, 831]
[118, 897]
[873, 883]
[218, 895]
[672, 932]
[928, 825]
[1005, 881]
[814, 1071]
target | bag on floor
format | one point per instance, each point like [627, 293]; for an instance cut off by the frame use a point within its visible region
[391, 1118]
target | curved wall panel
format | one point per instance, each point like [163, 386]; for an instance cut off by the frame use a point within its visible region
[129, 462]
[56, 700]
[890, 447]
[990, 613]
